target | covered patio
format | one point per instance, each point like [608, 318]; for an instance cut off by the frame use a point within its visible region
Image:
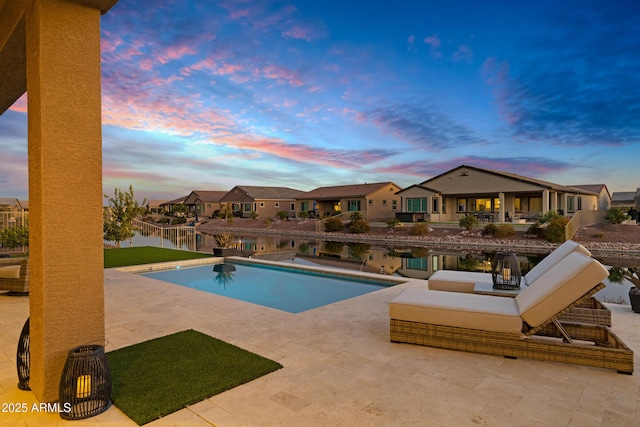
[340, 368]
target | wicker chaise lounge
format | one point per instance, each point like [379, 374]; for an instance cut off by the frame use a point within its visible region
[14, 275]
[464, 281]
[524, 326]
[588, 311]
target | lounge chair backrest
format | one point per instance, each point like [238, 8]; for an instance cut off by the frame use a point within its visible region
[553, 258]
[559, 287]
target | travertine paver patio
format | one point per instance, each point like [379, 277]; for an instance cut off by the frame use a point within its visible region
[340, 368]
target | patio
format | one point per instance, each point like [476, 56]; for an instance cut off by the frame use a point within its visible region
[340, 368]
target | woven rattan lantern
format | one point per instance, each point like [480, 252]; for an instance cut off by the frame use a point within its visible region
[505, 271]
[85, 385]
[23, 358]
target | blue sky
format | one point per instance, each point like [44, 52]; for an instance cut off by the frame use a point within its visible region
[208, 95]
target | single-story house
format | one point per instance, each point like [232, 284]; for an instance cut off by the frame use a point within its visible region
[155, 205]
[626, 200]
[12, 213]
[491, 196]
[201, 203]
[604, 199]
[376, 202]
[264, 202]
[175, 206]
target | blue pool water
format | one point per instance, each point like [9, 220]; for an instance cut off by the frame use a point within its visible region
[276, 287]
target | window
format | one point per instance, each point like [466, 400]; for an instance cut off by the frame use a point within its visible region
[384, 203]
[304, 206]
[579, 203]
[517, 204]
[262, 204]
[292, 207]
[353, 205]
[370, 202]
[444, 205]
[535, 204]
[277, 204]
[481, 205]
[247, 207]
[417, 205]
[462, 205]
[394, 205]
[434, 204]
[570, 204]
[417, 263]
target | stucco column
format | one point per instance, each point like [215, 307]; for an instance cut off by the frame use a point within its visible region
[545, 201]
[65, 186]
[554, 201]
[503, 208]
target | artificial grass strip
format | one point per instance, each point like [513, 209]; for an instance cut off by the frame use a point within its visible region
[146, 255]
[157, 377]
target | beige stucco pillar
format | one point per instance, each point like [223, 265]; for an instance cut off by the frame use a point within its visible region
[65, 186]
[503, 207]
[545, 201]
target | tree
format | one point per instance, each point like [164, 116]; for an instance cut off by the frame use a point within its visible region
[119, 215]
[617, 216]
[15, 237]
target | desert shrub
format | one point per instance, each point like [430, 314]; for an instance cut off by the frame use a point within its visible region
[467, 222]
[554, 232]
[359, 226]
[393, 223]
[419, 229]
[282, 215]
[504, 230]
[254, 215]
[617, 216]
[177, 221]
[355, 216]
[535, 230]
[303, 214]
[333, 224]
[489, 230]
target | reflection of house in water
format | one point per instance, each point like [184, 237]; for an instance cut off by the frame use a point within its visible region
[422, 263]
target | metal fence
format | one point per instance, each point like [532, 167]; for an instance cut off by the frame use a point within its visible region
[183, 237]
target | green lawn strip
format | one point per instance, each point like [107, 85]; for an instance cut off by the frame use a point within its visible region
[157, 377]
[146, 255]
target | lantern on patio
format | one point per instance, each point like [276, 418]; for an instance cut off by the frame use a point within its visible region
[23, 357]
[85, 385]
[505, 271]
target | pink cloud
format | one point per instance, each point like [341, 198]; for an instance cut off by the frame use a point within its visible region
[282, 75]
[463, 54]
[299, 32]
[20, 105]
[433, 41]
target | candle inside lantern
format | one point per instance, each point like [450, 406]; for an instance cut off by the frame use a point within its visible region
[506, 274]
[83, 388]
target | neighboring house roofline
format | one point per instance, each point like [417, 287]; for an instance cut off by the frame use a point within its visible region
[343, 191]
[516, 177]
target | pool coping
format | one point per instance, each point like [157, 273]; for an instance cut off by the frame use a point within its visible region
[168, 265]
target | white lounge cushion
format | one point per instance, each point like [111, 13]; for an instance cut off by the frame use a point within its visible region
[472, 311]
[553, 258]
[464, 281]
[558, 287]
[10, 272]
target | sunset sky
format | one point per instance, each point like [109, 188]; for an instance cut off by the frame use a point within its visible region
[211, 94]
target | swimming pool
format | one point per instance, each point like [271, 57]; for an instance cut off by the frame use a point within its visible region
[276, 286]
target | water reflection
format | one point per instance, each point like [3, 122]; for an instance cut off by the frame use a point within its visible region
[401, 260]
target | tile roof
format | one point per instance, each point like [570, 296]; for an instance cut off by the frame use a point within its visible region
[539, 182]
[205, 196]
[245, 192]
[341, 191]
